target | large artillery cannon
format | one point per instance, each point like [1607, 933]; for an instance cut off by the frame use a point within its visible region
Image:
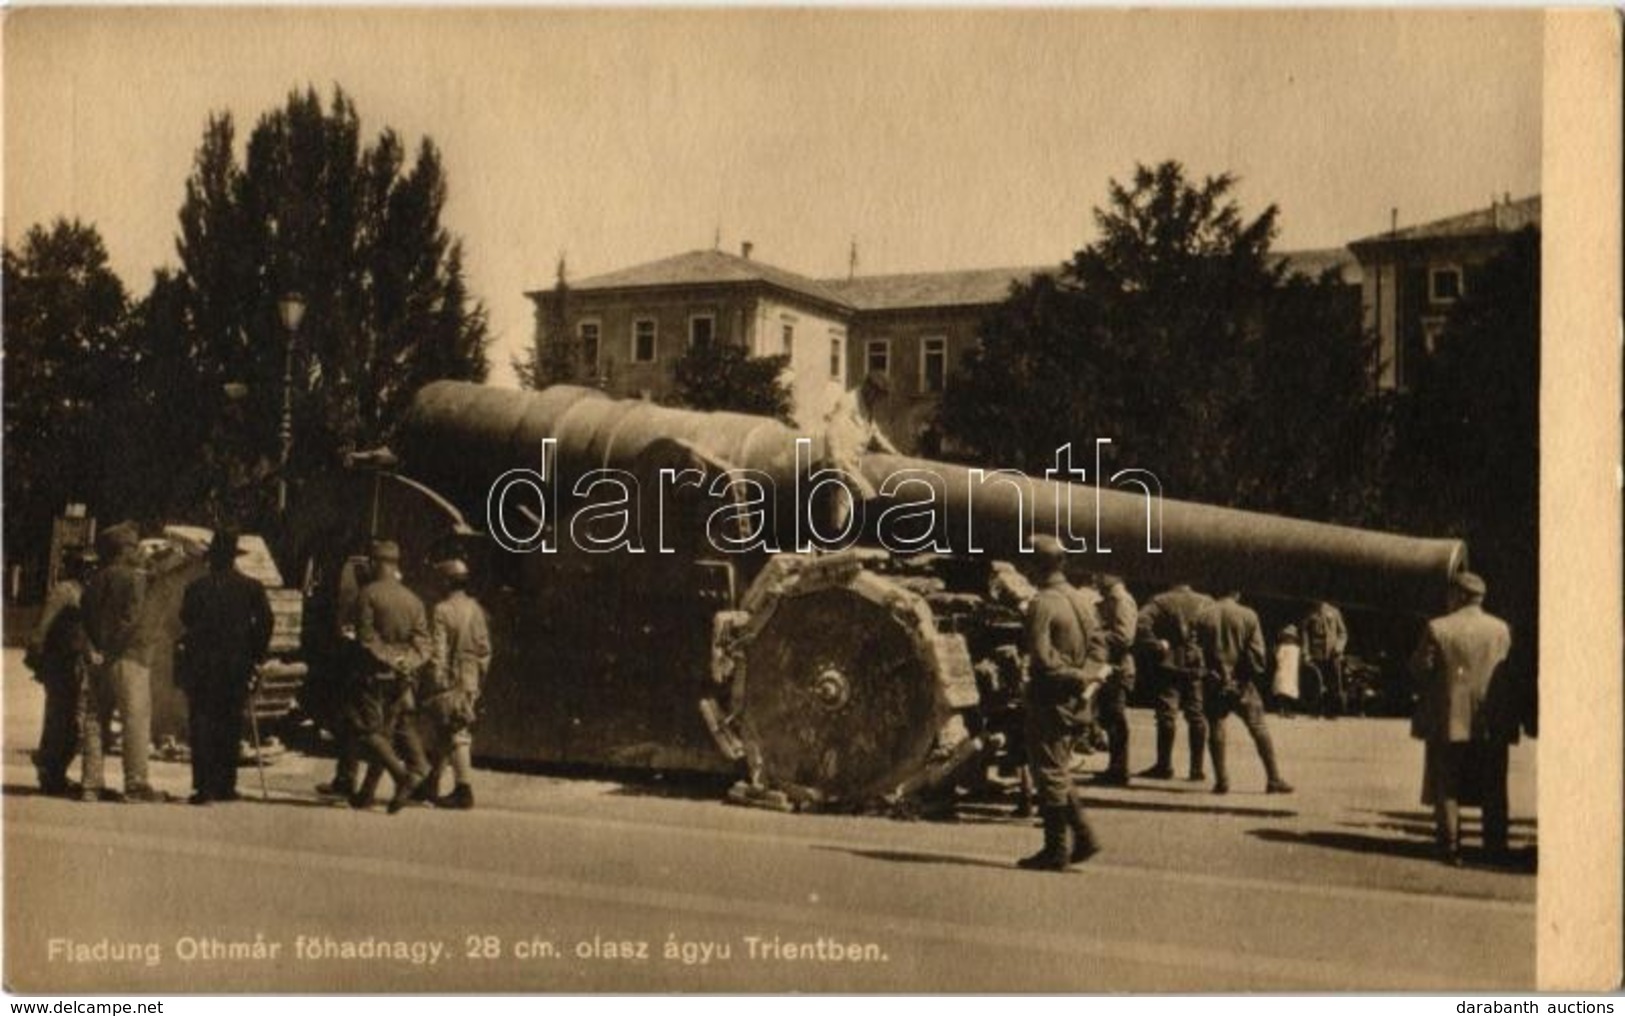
[656, 604]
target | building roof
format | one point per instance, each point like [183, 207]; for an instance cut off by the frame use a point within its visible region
[705, 267]
[974, 287]
[1501, 217]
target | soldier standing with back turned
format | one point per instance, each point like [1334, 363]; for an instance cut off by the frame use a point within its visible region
[1068, 654]
[1167, 628]
[393, 628]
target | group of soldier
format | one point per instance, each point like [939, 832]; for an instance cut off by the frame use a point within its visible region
[1207, 657]
[412, 680]
[410, 686]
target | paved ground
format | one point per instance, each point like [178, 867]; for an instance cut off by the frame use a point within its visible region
[558, 884]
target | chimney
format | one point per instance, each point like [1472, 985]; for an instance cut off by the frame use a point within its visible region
[745, 247]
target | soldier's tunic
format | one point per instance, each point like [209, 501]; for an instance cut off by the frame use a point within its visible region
[1170, 617]
[228, 622]
[461, 655]
[393, 628]
[1118, 617]
[1067, 648]
[1233, 645]
[1325, 637]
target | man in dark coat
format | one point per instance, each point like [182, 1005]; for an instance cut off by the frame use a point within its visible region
[1467, 713]
[227, 621]
[1232, 643]
[1067, 655]
[59, 656]
[393, 628]
[1167, 631]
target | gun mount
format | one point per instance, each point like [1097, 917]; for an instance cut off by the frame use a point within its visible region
[676, 643]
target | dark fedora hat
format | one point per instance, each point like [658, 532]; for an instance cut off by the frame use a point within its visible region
[224, 544]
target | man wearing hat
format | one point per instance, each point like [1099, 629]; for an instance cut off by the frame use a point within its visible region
[1067, 654]
[393, 628]
[59, 656]
[121, 638]
[459, 660]
[1466, 713]
[850, 432]
[1166, 629]
[227, 621]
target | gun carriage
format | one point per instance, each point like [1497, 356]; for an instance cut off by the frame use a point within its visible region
[825, 677]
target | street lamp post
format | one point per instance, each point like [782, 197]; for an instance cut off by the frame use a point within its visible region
[291, 308]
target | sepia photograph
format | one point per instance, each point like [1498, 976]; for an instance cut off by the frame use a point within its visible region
[571, 500]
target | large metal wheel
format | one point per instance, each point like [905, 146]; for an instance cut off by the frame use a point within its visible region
[838, 682]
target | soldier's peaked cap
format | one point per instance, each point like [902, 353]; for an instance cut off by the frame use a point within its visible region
[386, 550]
[1469, 583]
[1048, 550]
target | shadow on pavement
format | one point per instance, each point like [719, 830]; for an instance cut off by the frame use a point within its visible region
[1522, 860]
[994, 812]
[911, 857]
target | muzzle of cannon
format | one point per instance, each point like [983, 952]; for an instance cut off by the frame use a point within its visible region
[666, 609]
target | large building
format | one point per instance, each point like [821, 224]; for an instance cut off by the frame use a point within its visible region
[627, 328]
[1412, 277]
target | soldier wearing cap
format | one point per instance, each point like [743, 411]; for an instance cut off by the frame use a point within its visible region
[1067, 656]
[1232, 643]
[393, 629]
[460, 657]
[1467, 714]
[122, 636]
[59, 657]
[227, 620]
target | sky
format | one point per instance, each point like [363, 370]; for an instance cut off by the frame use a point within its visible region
[931, 140]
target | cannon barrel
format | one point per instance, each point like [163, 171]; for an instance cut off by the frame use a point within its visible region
[460, 437]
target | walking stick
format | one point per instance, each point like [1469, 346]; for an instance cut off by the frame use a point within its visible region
[254, 727]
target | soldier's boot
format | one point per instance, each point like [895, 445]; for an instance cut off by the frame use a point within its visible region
[461, 798]
[1273, 783]
[1221, 771]
[1117, 766]
[1197, 737]
[1054, 854]
[1084, 844]
[1164, 769]
[364, 794]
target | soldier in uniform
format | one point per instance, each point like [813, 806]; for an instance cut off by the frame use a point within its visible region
[393, 629]
[1167, 630]
[1233, 645]
[1067, 653]
[1325, 636]
[1467, 714]
[227, 621]
[59, 657]
[459, 660]
[121, 637]
[1118, 617]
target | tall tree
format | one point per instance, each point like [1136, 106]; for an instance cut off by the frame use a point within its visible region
[64, 362]
[556, 357]
[1176, 335]
[355, 230]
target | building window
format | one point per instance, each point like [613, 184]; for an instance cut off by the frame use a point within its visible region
[878, 360]
[787, 338]
[702, 328]
[643, 340]
[933, 364]
[587, 336]
[837, 356]
[1444, 284]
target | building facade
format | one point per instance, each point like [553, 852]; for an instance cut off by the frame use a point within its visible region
[627, 329]
[1413, 277]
